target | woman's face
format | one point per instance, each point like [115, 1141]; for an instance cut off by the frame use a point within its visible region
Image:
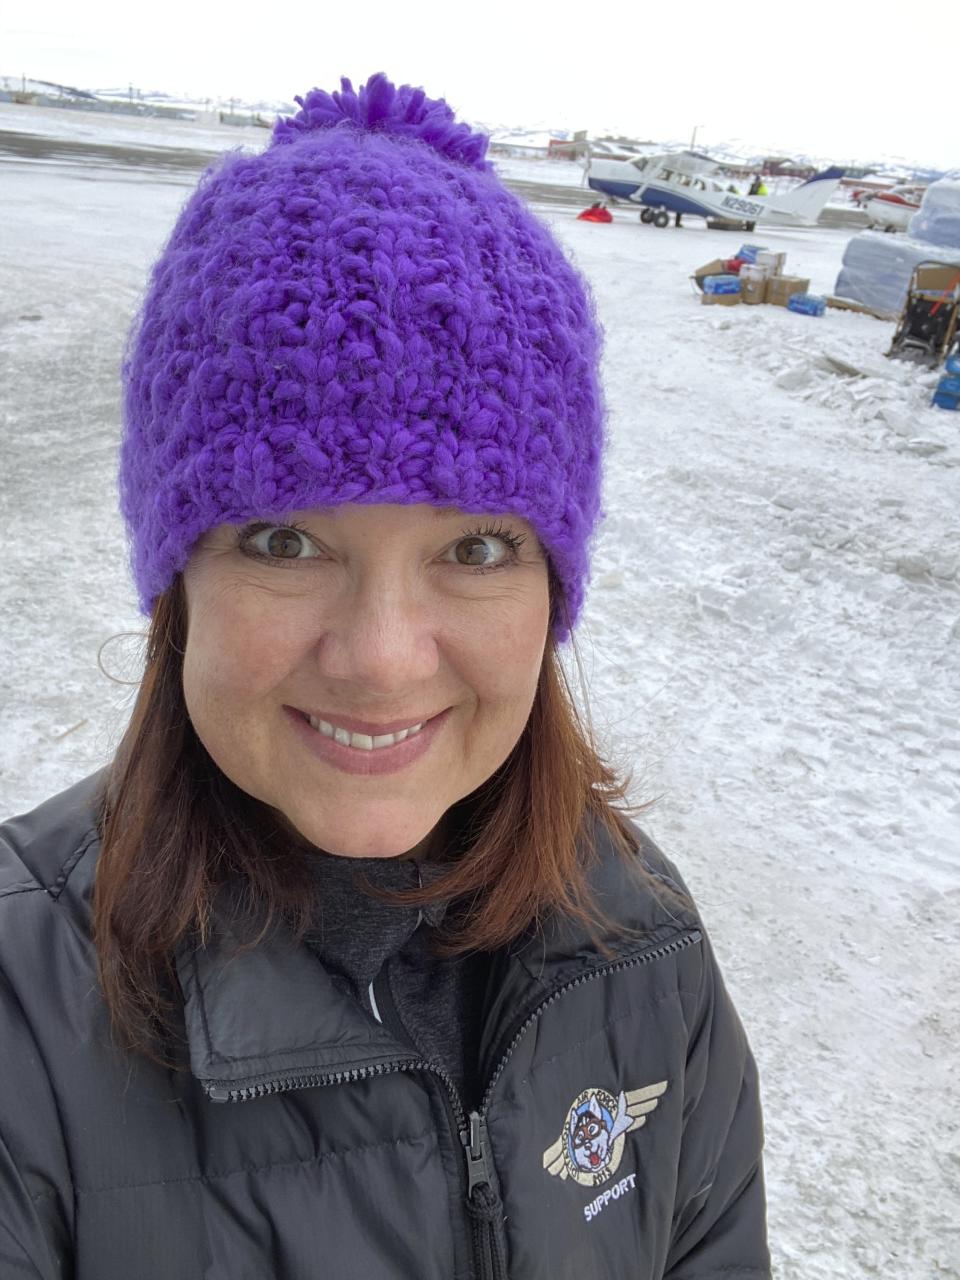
[314, 644]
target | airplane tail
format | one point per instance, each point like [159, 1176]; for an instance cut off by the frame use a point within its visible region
[806, 202]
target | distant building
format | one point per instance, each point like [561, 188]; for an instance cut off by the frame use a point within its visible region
[784, 167]
[738, 169]
[575, 148]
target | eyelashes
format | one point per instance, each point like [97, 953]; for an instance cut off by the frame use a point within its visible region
[513, 540]
[248, 537]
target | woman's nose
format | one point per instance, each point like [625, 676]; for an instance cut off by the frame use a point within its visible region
[381, 636]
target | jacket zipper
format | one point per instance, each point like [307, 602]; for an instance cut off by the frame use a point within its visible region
[482, 1199]
[483, 1203]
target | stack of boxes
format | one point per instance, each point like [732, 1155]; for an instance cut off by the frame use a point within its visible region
[947, 394]
[761, 279]
[778, 288]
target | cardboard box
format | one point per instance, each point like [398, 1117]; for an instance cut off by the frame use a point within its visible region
[714, 268]
[937, 278]
[781, 288]
[753, 289]
[720, 299]
[774, 262]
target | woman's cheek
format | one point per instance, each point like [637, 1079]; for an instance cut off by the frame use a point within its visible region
[510, 657]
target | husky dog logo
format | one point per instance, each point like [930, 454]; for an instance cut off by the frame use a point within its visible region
[591, 1146]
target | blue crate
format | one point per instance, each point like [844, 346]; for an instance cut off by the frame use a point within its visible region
[807, 304]
[721, 284]
[950, 385]
[952, 364]
[748, 252]
[944, 400]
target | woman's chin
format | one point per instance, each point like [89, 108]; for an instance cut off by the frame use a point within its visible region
[377, 842]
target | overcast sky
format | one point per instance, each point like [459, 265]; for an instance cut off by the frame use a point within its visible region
[829, 77]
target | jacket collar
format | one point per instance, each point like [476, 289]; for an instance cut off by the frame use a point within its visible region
[271, 1013]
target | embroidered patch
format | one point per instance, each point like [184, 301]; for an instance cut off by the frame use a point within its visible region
[591, 1146]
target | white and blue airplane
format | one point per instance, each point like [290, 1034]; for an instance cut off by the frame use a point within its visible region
[682, 182]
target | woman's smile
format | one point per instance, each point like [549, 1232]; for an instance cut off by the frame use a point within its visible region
[365, 734]
[368, 754]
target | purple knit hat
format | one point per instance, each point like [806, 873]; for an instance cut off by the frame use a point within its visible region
[360, 313]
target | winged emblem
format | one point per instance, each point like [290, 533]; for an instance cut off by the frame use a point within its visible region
[590, 1147]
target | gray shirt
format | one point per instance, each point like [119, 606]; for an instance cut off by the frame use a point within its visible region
[381, 954]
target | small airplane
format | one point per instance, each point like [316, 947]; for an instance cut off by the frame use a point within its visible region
[860, 190]
[683, 182]
[892, 210]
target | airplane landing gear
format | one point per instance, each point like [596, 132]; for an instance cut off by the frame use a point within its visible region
[656, 217]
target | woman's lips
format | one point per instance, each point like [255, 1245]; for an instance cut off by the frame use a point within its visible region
[356, 760]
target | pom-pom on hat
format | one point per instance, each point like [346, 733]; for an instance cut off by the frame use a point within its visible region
[361, 313]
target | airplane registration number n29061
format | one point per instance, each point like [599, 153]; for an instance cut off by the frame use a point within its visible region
[739, 205]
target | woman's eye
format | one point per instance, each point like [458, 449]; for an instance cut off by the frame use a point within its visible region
[480, 551]
[278, 542]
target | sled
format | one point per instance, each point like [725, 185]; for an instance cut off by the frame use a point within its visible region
[596, 213]
[928, 323]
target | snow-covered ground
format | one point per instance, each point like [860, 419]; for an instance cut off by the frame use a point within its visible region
[772, 643]
[107, 128]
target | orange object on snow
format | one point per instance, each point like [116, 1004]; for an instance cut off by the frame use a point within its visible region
[596, 213]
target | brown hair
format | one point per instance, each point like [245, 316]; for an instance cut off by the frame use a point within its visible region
[175, 830]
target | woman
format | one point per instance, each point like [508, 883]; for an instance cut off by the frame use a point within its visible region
[350, 964]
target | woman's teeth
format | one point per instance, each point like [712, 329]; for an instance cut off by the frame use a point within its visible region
[361, 740]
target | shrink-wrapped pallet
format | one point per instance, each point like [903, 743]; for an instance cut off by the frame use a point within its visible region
[938, 219]
[877, 267]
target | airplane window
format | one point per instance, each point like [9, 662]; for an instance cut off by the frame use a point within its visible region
[699, 184]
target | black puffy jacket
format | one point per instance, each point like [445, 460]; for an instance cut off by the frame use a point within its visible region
[619, 1135]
